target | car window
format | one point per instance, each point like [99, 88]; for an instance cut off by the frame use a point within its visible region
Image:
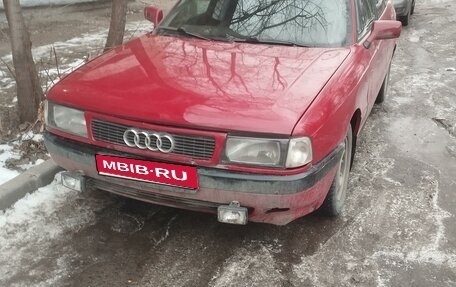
[304, 22]
[185, 9]
[365, 16]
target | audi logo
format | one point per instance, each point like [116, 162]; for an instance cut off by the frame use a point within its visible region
[149, 140]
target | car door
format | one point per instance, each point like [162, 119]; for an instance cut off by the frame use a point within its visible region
[381, 53]
[365, 17]
[377, 52]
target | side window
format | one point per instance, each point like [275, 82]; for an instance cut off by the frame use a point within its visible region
[366, 16]
[189, 9]
[221, 9]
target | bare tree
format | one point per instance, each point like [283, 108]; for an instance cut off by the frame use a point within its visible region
[29, 91]
[117, 25]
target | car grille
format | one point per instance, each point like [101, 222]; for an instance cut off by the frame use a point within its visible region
[192, 146]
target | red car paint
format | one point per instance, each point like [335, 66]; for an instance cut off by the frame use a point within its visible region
[198, 83]
[211, 88]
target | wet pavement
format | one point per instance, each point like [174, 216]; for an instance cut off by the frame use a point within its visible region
[397, 230]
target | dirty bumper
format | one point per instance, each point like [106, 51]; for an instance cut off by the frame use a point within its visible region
[270, 199]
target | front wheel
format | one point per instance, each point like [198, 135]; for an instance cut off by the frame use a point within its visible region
[334, 202]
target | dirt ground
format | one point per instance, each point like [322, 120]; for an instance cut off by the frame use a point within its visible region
[397, 230]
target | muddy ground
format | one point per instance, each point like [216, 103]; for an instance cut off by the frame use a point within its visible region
[398, 228]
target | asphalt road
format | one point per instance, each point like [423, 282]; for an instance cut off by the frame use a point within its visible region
[397, 230]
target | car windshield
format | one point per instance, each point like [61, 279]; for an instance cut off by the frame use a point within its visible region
[313, 23]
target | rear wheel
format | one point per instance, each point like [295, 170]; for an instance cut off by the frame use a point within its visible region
[334, 202]
[405, 19]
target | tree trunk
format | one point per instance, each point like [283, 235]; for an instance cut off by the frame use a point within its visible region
[29, 91]
[117, 25]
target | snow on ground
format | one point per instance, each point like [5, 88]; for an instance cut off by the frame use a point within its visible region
[29, 135]
[10, 151]
[35, 3]
[7, 152]
[88, 42]
[70, 54]
[29, 229]
[254, 264]
[430, 2]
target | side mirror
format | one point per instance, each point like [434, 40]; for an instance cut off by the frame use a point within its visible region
[383, 30]
[153, 14]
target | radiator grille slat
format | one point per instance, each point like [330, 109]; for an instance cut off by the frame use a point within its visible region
[198, 147]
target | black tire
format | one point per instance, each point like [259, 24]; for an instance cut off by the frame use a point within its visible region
[334, 201]
[405, 19]
[384, 89]
[412, 10]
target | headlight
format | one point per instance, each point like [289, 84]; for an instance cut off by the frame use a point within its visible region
[299, 152]
[266, 152]
[269, 152]
[65, 119]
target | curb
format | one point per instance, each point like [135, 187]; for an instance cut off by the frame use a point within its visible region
[27, 182]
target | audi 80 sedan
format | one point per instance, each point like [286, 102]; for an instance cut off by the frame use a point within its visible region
[247, 109]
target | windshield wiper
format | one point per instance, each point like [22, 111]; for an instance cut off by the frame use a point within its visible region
[255, 40]
[182, 31]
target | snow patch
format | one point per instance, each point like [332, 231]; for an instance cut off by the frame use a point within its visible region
[403, 100]
[249, 267]
[7, 152]
[430, 253]
[35, 3]
[414, 38]
[168, 226]
[30, 230]
[31, 164]
[435, 1]
[30, 135]
[90, 42]
[86, 45]
[416, 35]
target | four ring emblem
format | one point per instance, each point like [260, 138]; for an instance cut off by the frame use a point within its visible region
[149, 140]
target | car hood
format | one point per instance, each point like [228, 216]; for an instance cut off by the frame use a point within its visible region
[202, 84]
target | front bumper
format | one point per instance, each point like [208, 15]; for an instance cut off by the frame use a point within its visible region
[270, 199]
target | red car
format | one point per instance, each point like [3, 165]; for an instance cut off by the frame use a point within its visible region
[244, 108]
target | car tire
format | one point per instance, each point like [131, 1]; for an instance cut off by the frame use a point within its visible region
[334, 201]
[405, 19]
[384, 89]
